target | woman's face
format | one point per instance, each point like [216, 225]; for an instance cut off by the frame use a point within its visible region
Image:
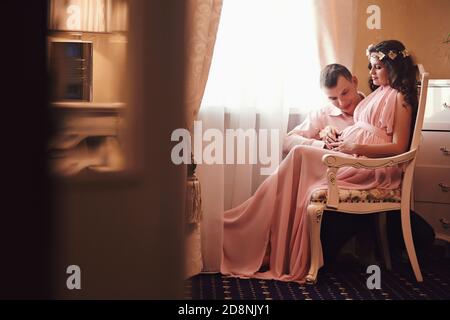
[378, 72]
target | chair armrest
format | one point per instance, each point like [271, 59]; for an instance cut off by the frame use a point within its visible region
[337, 161]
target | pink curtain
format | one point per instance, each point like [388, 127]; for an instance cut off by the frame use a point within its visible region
[201, 26]
[202, 22]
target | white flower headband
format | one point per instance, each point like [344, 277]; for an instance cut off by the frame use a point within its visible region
[381, 55]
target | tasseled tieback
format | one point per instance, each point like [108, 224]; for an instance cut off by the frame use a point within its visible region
[193, 200]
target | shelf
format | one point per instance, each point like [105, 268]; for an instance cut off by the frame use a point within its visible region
[89, 106]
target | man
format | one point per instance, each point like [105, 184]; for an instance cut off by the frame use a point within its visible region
[319, 129]
[322, 126]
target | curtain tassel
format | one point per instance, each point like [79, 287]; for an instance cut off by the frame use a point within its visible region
[193, 200]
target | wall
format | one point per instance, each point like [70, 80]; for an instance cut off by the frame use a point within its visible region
[422, 25]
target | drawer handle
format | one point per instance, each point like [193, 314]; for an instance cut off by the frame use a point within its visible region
[446, 106]
[445, 151]
[445, 223]
[444, 187]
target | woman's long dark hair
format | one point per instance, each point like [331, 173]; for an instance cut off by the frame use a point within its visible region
[402, 74]
[401, 70]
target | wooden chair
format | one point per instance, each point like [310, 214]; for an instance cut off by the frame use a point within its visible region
[370, 201]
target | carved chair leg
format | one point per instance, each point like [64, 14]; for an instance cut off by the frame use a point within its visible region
[315, 213]
[407, 236]
[382, 239]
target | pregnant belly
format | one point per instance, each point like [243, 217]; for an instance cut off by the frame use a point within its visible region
[350, 132]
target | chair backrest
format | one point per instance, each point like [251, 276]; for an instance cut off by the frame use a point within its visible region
[415, 142]
[420, 111]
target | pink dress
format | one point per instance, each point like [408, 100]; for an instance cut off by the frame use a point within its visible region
[277, 210]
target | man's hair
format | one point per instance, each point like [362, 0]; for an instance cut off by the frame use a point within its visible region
[331, 73]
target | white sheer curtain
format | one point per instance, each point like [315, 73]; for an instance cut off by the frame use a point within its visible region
[266, 65]
[265, 56]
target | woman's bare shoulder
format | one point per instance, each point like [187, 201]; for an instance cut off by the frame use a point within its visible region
[400, 99]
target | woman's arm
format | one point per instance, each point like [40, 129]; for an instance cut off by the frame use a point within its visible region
[400, 138]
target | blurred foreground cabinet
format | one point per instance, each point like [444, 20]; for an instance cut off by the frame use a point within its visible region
[87, 137]
[432, 174]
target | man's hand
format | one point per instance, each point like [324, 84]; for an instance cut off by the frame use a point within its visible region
[329, 135]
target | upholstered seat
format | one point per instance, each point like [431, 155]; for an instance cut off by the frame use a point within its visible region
[355, 196]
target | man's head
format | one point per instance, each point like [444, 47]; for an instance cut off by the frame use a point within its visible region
[341, 87]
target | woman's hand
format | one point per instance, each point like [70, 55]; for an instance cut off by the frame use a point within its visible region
[345, 146]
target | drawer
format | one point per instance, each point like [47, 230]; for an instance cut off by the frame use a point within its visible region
[70, 161]
[438, 216]
[430, 182]
[73, 130]
[437, 110]
[434, 149]
[90, 125]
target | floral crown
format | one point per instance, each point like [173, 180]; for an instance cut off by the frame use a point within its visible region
[392, 54]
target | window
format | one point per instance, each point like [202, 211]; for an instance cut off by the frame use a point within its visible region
[266, 57]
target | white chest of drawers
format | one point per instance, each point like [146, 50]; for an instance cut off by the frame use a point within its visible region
[432, 174]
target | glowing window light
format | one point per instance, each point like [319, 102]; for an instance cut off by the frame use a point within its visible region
[265, 56]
